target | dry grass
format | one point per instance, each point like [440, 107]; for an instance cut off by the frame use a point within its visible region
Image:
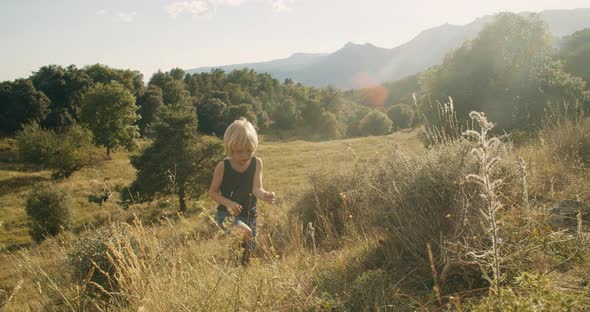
[186, 264]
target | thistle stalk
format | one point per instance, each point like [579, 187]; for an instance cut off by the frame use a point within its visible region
[484, 152]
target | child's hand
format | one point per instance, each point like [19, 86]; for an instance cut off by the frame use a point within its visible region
[269, 197]
[234, 208]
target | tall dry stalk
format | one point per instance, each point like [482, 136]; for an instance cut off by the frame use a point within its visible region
[485, 152]
[443, 126]
[521, 169]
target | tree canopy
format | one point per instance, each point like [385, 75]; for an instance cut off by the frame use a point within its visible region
[575, 52]
[506, 72]
[180, 161]
[21, 103]
[110, 112]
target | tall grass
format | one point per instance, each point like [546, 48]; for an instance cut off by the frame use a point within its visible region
[567, 134]
[399, 231]
[441, 125]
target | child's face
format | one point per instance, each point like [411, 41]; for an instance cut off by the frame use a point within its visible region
[242, 153]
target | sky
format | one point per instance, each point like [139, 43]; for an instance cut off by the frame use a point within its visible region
[151, 35]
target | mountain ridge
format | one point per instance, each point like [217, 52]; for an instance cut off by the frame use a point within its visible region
[365, 65]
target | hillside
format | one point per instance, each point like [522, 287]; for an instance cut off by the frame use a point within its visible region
[169, 262]
[288, 164]
[343, 67]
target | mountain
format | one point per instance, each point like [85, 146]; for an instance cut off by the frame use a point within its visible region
[365, 65]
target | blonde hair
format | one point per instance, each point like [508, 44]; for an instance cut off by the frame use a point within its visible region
[240, 132]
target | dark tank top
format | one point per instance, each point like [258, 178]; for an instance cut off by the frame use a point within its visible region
[237, 186]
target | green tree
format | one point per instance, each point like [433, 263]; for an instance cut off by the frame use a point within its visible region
[331, 100]
[110, 112]
[149, 104]
[174, 92]
[500, 72]
[132, 80]
[402, 115]
[311, 113]
[236, 112]
[179, 161]
[65, 88]
[65, 152]
[217, 94]
[177, 73]
[211, 114]
[159, 79]
[330, 127]
[20, 103]
[354, 119]
[400, 91]
[375, 123]
[235, 93]
[575, 51]
[286, 115]
[263, 120]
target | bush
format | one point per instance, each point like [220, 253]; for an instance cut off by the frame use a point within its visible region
[417, 199]
[49, 209]
[65, 152]
[402, 115]
[375, 123]
[569, 140]
[35, 145]
[421, 198]
[92, 258]
[327, 208]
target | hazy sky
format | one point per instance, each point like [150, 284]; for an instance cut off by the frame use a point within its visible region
[148, 35]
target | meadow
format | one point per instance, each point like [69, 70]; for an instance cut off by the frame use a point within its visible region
[333, 241]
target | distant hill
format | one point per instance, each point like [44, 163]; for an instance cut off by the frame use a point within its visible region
[357, 66]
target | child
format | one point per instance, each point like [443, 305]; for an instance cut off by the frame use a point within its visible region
[237, 183]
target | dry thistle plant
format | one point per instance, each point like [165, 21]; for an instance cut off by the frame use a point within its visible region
[485, 152]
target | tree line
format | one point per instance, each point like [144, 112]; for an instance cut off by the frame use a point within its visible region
[54, 96]
[511, 71]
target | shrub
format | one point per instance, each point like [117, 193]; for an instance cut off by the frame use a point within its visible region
[402, 115]
[568, 140]
[416, 199]
[92, 260]
[49, 209]
[64, 152]
[34, 144]
[375, 123]
[421, 199]
[73, 152]
[326, 209]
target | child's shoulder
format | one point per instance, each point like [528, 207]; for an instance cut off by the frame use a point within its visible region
[220, 165]
[258, 161]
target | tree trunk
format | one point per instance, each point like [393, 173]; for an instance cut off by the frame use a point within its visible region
[181, 198]
[108, 152]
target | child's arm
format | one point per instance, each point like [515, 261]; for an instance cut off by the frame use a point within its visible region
[257, 189]
[215, 194]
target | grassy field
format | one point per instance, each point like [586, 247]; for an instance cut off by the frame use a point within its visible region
[286, 163]
[166, 262]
